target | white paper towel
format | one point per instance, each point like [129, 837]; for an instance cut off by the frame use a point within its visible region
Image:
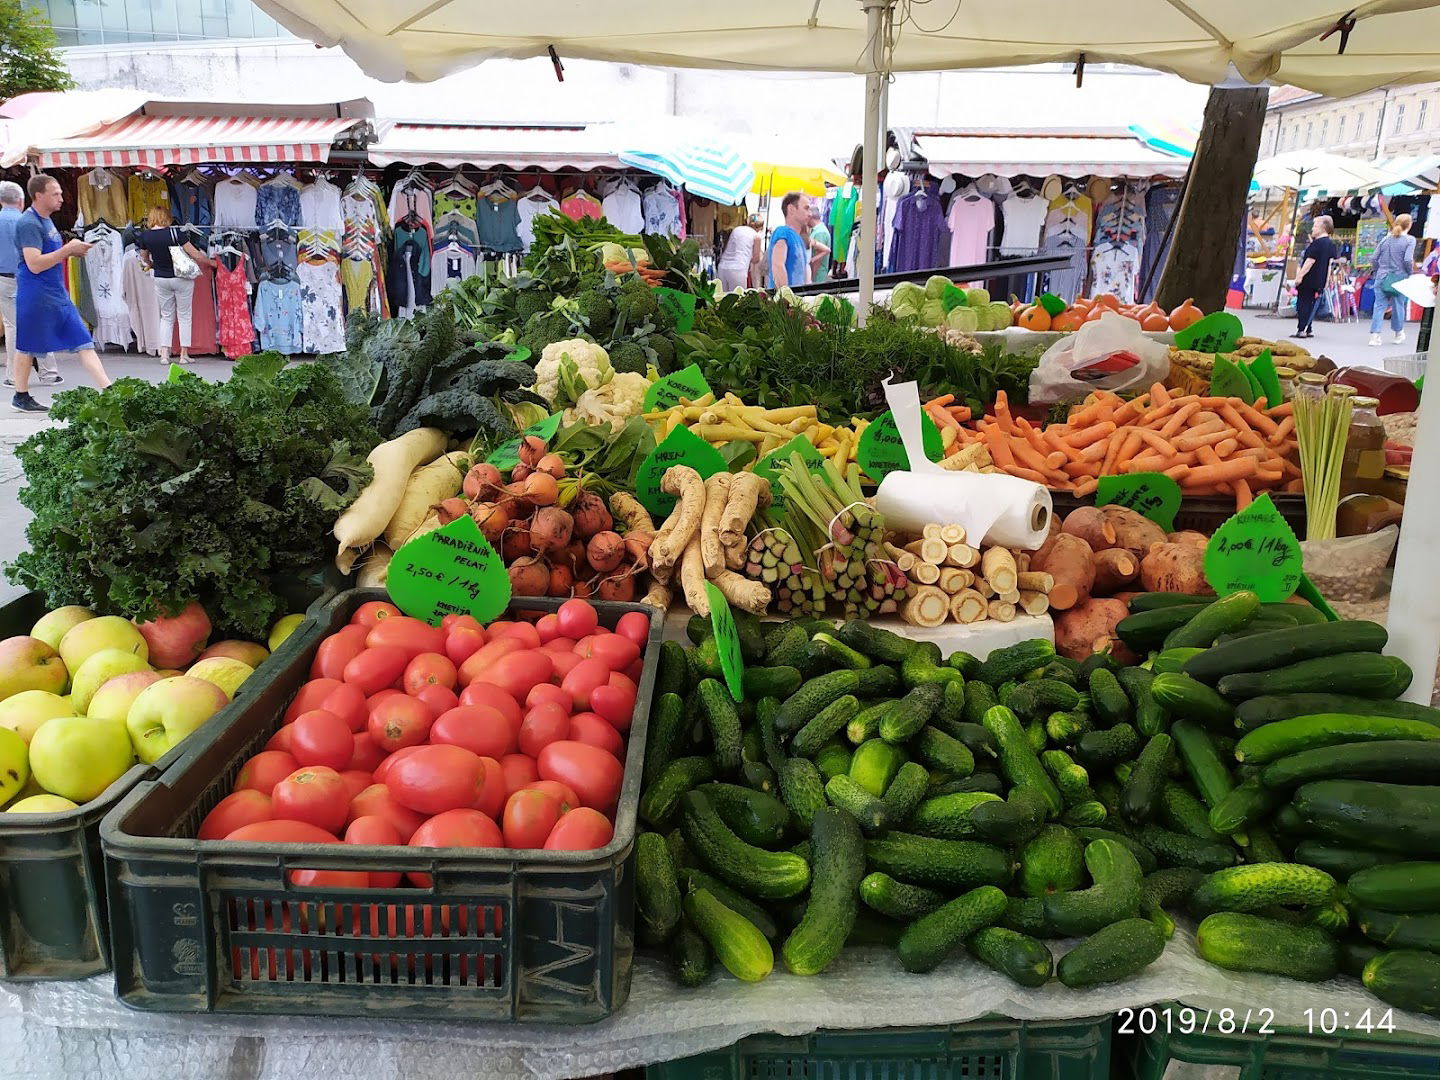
[993, 508]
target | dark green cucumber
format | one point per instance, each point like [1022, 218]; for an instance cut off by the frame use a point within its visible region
[1064, 728]
[751, 633]
[1402, 886]
[1182, 812]
[838, 857]
[1172, 660]
[1146, 630]
[753, 816]
[1051, 861]
[906, 717]
[868, 810]
[1355, 953]
[1091, 814]
[1016, 660]
[1218, 617]
[1339, 861]
[1252, 888]
[986, 782]
[667, 726]
[1208, 771]
[1097, 660]
[1115, 952]
[1026, 915]
[1040, 697]
[904, 794]
[1286, 737]
[942, 752]
[766, 875]
[662, 798]
[834, 759]
[1408, 760]
[787, 649]
[778, 682]
[884, 645]
[690, 956]
[980, 698]
[1397, 930]
[923, 666]
[949, 817]
[948, 864]
[1165, 890]
[1365, 674]
[866, 723]
[927, 941]
[800, 708]
[673, 674]
[1262, 846]
[737, 942]
[1150, 715]
[1249, 802]
[897, 899]
[1150, 601]
[1189, 699]
[1024, 959]
[1018, 761]
[965, 663]
[1408, 978]
[874, 765]
[824, 725]
[802, 790]
[723, 721]
[1108, 698]
[1115, 894]
[1280, 648]
[657, 891]
[766, 710]
[1176, 849]
[1143, 855]
[876, 682]
[1071, 780]
[692, 878]
[1015, 819]
[1240, 942]
[1259, 711]
[1098, 749]
[1140, 797]
[827, 652]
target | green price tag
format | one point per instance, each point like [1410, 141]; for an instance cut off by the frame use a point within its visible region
[451, 571]
[1152, 494]
[1227, 380]
[728, 638]
[1052, 304]
[1255, 550]
[681, 447]
[766, 466]
[954, 297]
[1263, 369]
[507, 455]
[1215, 333]
[686, 383]
[881, 452]
[680, 306]
[176, 373]
[521, 353]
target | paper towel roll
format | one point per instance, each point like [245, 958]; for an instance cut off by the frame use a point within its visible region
[993, 508]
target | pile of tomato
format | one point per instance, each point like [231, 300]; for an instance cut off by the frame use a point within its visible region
[509, 735]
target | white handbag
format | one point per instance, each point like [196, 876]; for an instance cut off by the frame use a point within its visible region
[184, 266]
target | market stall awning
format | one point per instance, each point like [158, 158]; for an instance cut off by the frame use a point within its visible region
[1038, 153]
[494, 146]
[1316, 170]
[1412, 173]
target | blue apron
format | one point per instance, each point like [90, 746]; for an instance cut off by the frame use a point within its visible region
[45, 318]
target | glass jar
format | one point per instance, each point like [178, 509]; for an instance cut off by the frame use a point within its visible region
[1286, 375]
[1393, 393]
[1310, 385]
[1363, 465]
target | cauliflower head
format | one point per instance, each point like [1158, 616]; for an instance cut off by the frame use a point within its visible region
[567, 369]
[614, 403]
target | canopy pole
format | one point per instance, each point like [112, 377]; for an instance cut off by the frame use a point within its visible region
[875, 11]
[1290, 244]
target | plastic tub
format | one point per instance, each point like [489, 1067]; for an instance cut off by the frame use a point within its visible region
[500, 935]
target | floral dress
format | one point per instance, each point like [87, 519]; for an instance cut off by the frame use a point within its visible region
[237, 333]
[322, 322]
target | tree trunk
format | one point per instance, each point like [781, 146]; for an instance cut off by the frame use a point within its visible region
[1207, 234]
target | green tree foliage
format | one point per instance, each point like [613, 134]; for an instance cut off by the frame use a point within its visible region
[28, 60]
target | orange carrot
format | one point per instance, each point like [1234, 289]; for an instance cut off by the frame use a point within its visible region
[1052, 436]
[1001, 452]
[1095, 451]
[1243, 431]
[1257, 419]
[942, 418]
[1287, 409]
[1002, 412]
[1091, 434]
[1226, 447]
[941, 401]
[1027, 474]
[1177, 472]
[1086, 486]
[1236, 469]
[1282, 430]
[960, 412]
[1295, 485]
[1158, 394]
[1131, 411]
[1195, 439]
[1179, 419]
[1156, 442]
[1129, 448]
[1054, 460]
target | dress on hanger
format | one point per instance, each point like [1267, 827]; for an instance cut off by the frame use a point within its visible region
[202, 317]
[235, 204]
[971, 220]
[498, 221]
[320, 206]
[844, 212]
[277, 316]
[1067, 232]
[232, 288]
[101, 196]
[105, 268]
[530, 206]
[895, 187]
[918, 222]
[1119, 240]
[662, 212]
[622, 207]
[1024, 212]
[146, 193]
[582, 205]
[277, 201]
[322, 321]
[141, 303]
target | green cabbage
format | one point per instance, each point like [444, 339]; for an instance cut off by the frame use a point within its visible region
[935, 286]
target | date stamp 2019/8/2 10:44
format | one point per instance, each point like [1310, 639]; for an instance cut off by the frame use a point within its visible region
[1188, 1020]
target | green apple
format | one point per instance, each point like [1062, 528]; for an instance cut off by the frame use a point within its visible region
[78, 757]
[224, 672]
[107, 632]
[167, 711]
[283, 628]
[100, 669]
[27, 710]
[41, 804]
[247, 652]
[52, 628]
[113, 700]
[14, 764]
[27, 663]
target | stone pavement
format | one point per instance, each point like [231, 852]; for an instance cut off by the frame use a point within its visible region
[1344, 343]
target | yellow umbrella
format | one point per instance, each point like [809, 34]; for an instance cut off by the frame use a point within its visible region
[772, 178]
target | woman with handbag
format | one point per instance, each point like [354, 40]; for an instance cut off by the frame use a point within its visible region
[176, 264]
[1394, 262]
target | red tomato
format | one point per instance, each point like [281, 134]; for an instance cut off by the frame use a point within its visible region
[593, 774]
[314, 794]
[375, 669]
[356, 781]
[635, 672]
[371, 612]
[400, 721]
[518, 771]
[244, 807]
[336, 879]
[282, 831]
[583, 678]
[373, 829]
[428, 669]
[615, 703]
[543, 724]
[382, 770]
[565, 663]
[311, 696]
[365, 756]
[522, 631]
[559, 646]
[321, 738]
[498, 627]
[434, 779]
[634, 625]
[412, 636]
[462, 828]
[482, 693]
[492, 793]
[266, 769]
[622, 679]
[577, 618]
[580, 830]
[478, 662]
[438, 699]
[375, 699]
[568, 799]
[616, 652]
[540, 693]
[592, 728]
[336, 651]
[281, 739]
[450, 622]
[376, 801]
[348, 703]
[462, 643]
[519, 672]
[478, 728]
[548, 628]
[529, 817]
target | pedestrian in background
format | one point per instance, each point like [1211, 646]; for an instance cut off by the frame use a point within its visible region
[176, 293]
[1313, 275]
[741, 257]
[819, 246]
[12, 199]
[1394, 262]
[789, 251]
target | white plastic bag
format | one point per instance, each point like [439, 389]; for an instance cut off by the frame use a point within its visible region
[1111, 353]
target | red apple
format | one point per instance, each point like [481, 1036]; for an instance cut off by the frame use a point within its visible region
[176, 641]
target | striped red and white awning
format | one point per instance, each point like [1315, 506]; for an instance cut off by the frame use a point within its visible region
[152, 141]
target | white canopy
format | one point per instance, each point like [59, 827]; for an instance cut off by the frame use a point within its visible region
[1316, 169]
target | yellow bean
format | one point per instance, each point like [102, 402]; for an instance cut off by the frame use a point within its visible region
[723, 433]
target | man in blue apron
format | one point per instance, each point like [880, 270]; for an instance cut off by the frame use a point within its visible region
[45, 318]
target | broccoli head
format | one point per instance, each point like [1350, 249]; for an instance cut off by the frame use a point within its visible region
[530, 302]
[664, 350]
[638, 305]
[598, 313]
[544, 328]
[629, 356]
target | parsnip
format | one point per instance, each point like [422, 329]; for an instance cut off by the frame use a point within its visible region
[428, 485]
[998, 567]
[359, 526]
[1001, 611]
[927, 607]
[968, 607]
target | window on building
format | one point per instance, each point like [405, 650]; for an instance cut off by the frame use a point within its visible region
[1399, 117]
[1420, 116]
[1310, 133]
[1325, 132]
[1360, 124]
[1340, 134]
[112, 22]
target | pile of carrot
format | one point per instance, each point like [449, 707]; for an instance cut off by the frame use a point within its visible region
[1209, 445]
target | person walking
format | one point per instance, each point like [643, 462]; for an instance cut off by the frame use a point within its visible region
[819, 246]
[175, 291]
[12, 200]
[45, 318]
[740, 260]
[1313, 275]
[1394, 262]
[789, 253]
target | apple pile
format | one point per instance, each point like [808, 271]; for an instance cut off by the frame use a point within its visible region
[461, 735]
[83, 697]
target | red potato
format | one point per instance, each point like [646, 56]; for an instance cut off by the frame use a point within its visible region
[593, 774]
[376, 801]
[1114, 569]
[1171, 567]
[311, 696]
[1090, 524]
[592, 728]
[1089, 627]
[1133, 531]
[434, 779]
[244, 807]
[1068, 560]
[582, 829]
[481, 729]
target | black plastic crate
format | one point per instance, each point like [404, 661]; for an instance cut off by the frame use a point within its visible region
[52, 887]
[1203, 513]
[500, 935]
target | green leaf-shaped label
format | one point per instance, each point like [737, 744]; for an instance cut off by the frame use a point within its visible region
[1227, 380]
[1215, 333]
[507, 455]
[954, 297]
[1256, 550]
[680, 447]
[768, 465]
[1052, 304]
[722, 621]
[451, 571]
[1263, 369]
[881, 452]
[1152, 494]
[679, 306]
[687, 383]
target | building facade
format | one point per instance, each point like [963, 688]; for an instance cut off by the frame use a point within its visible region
[1379, 124]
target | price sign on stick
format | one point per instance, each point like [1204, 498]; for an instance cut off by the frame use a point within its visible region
[767, 466]
[686, 383]
[728, 638]
[881, 452]
[1215, 333]
[680, 447]
[507, 455]
[1255, 550]
[680, 306]
[451, 571]
[1152, 494]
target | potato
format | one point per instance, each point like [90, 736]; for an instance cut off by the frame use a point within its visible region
[1133, 531]
[1178, 568]
[1089, 627]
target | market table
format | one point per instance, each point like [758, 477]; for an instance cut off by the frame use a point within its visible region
[79, 1030]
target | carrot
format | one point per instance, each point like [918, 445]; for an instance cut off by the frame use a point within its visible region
[1027, 474]
[1244, 432]
[1237, 469]
[1002, 412]
[940, 402]
[1156, 442]
[1026, 454]
[1226, 447]
[1091, 434]
[1086, 486]
[1257, 419]
[1158, 394]
[1287, 409]
[1295, 485]
[942, 418]
[1052, 436]
[1129, 448]
[1095, 451]
[960, 412]
[1054, 460]
[1177, 472]
[1001, 452]
[1179, 418]
[1196, 439]
[1282, 430]
[1131, 411]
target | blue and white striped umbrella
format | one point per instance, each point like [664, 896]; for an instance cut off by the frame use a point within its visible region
[710, 170]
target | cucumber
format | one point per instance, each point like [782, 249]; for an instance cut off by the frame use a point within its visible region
[1172, 660]
[1013, 820]
[906, 717]
[1051, 861]
[1259, 711]
[753, 816]
[751, 636]
[874, 765]
[1285, 737]
[1140, 797]
[949, 864]
[1218, 617]
[1109, 700]
[1339, 861]
[1365, 674]
[667, 725]
[1355, 954]
[723, 721]
[766, 875]
[1407, 978]
[867, 809]
[1018, 762]
[824, 725]
[838, 857]
[1071, 780]
[897, 899]
[1065, 728]
[787, 649]
[1189, 699]
[828, 652]
[801, 790]
[884, 645]
[662, 798]
[1016, 660]
[927, 941]
[1150, 716]
[873, 929]
[1098, 749]
[1279, 648]
[1176, 849]
[800, 708]
[1239, 942]
[904, 794]
[942, 752]
[876, 682]
[834, 759]
[705, 659]
[1395, 930]
[1403, 760]
[690, 956]
[692, 878]
[1182, 812]
[1040, 697]
[657, 892]
[737, 943]
[1262, 846]
[1146, 630]
[673, 673]
[923, 667]
[680, 855]
[1089, 813]
[1113, 953]
[1150, 601]
[765, 711]
[949, 817]
[778, 682]
[980, 698]
[1250, 888]
[966, 663]
[1207, 770]
[866, 724]
[1400, 682]
[1027, 916]
[1402, 886]
[1115, 894]
[1249, 802]
[1024, 959]
[1143, 855]
[1168, 888]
